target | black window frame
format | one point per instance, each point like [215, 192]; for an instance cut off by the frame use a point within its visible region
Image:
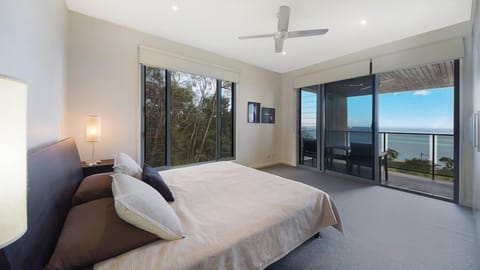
[168, 101]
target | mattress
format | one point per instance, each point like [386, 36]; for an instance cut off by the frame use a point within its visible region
[234, 217]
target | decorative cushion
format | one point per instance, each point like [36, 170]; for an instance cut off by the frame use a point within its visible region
[155, 180]
[125, 164]
[93, 232]
[142, 206]
[93, 187]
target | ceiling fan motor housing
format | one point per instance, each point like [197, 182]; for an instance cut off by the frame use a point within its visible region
[281, 35]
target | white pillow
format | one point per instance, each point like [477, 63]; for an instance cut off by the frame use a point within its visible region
[142, 206]
[125, 164]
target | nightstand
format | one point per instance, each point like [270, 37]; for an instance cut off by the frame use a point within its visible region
[105, 165]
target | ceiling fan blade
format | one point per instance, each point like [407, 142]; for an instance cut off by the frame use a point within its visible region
[283, 18]
[279, 45]
[256, 36]
[306, 33]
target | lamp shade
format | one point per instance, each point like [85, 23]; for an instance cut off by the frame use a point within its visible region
[94, 128]
[13, 160]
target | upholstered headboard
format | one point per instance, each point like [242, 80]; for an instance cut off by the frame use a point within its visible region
[54, 174]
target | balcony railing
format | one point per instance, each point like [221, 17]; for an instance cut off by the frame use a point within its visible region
[427, 155]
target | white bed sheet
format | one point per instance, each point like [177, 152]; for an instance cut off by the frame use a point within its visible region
[234, 217]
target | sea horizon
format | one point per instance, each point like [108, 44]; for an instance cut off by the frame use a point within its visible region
[446, 131]
[409, 142]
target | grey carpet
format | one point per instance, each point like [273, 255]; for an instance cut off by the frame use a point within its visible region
[384, 229]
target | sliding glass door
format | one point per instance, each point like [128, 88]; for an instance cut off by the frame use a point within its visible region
[421, 142]
[399, 128]
[308, 130]
[336, 130]
[349, 133]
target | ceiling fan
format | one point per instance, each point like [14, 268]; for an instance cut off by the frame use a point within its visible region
[283, 33]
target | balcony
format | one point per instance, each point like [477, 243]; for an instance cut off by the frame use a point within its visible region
[419, 162]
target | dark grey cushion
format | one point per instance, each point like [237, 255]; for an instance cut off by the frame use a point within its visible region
[155, 180]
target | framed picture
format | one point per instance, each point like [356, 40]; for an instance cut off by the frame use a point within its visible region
[268, 115]
[253, 112]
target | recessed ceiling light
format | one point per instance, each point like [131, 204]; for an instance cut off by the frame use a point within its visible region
[175, 8]
[284, 53]
[363, 22]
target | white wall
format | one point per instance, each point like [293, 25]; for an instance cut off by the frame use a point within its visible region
[32, 49]
[475, 56]
[103, 78]
[289, 100]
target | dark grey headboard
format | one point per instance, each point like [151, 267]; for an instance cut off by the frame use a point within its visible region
[53, 176]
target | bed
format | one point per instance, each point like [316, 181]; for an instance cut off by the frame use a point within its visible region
[234, 217]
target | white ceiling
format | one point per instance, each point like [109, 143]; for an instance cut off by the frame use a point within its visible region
[214, 25]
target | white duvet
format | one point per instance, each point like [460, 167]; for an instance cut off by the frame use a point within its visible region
[234, 217]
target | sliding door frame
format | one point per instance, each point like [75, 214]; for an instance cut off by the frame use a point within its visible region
[456, 143]
[318, 128]
[456, 130]
[321, 117]
[377, 175]
[375, 138]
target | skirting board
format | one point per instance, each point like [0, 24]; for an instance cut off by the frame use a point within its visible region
[268, 164]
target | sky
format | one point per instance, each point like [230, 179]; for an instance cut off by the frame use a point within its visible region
[430, 109]
[418, 110]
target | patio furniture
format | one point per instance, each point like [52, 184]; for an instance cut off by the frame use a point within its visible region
[338, 152]
[361, 154]
[309, 150]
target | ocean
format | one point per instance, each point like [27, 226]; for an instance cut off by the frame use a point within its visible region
[421, 144]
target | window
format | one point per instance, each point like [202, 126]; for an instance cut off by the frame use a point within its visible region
[226, 120]
[199, 125]
[155, 135]
[193, 116]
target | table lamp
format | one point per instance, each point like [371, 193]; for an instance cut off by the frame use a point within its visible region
[13, 160]
[93, 134]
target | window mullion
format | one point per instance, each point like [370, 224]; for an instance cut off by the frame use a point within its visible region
[219, 119]
[168, 88]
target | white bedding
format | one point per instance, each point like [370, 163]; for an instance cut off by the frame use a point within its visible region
[234, 217]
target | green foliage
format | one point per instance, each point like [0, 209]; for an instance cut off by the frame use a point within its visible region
[417, 164]
[392, 154]
[193, 118]
[448, 162]
[424, 167]
[155, 117]
[226, 131]
[414, 164]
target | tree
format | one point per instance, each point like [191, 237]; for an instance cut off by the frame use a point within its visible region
[193, 118]
[448, 162]
[392, 154]
[155, 113]
[192, 115]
